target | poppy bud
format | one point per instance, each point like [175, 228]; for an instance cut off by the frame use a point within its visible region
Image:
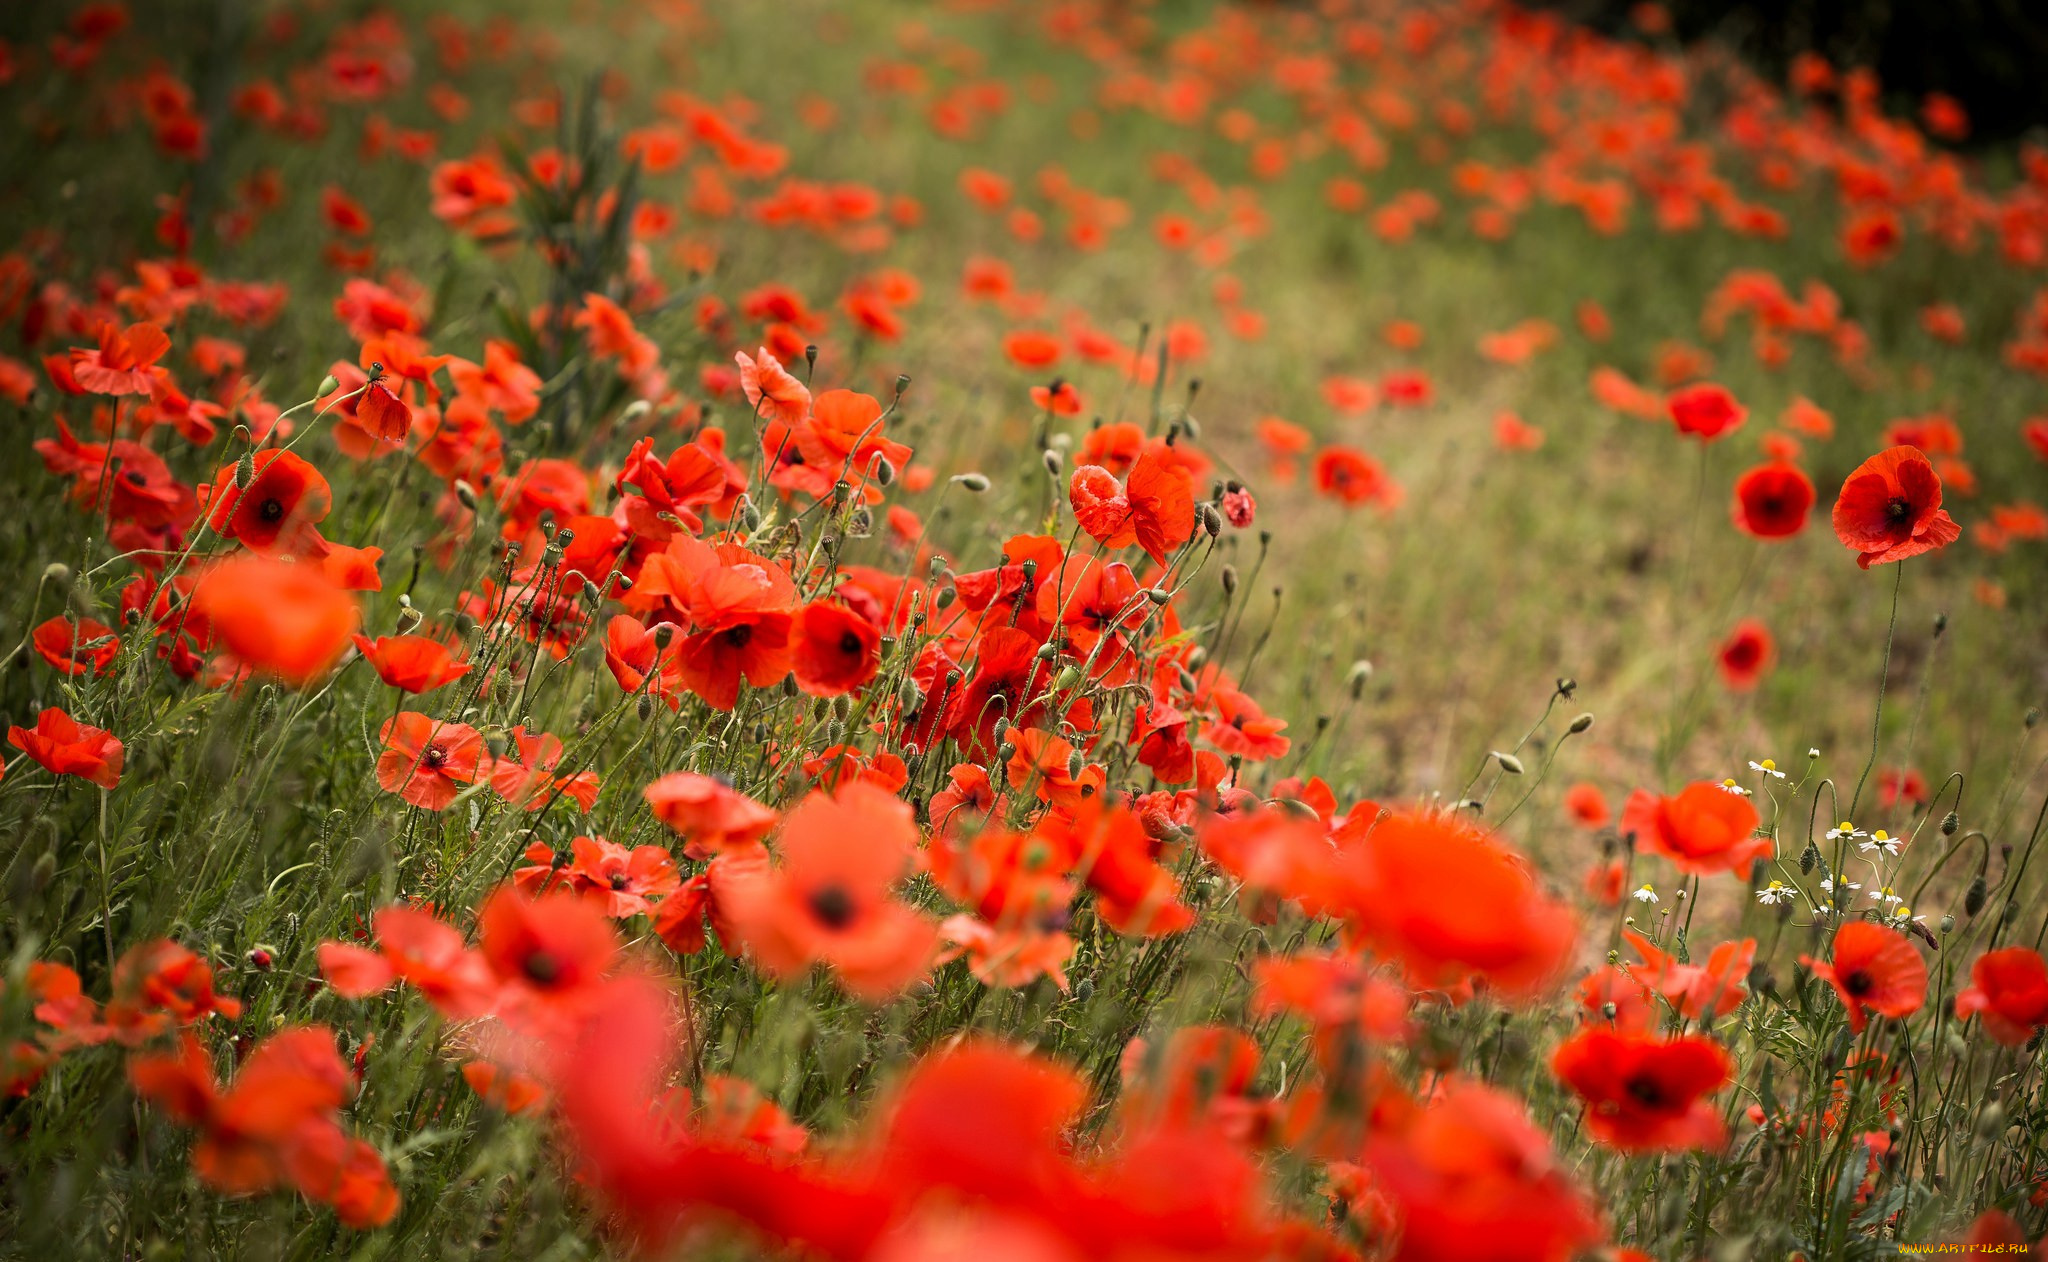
[1949, 824]
[975, 482]
[1361, 671]
[1973, 901]
[811, 357]
[750, 517]
[882, 470]
[1508, 763]
[1940, 624]
[944, 600]
[44, 871]
[57, 574]
[1991, 1120]
[1067, 679]
[635, 410]
[1054, 462]
[261, 960]
[1158, 595]
[1581, 723]
[1230, 580]
[245, 471]
[1074, 764]
[1048, 651]
[464, 624]
[1002, 729]
[645, 706]
[909, 697]
[1186, 681]
[1084, 990]
[466, 493]
[1212, 521]
[328, 385]
[1808, 857]
[625, 582]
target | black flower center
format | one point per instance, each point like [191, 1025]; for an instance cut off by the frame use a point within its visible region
[541, 968]
[433, 757]
[849, 644]
[1646, 1091]
[832, 905]
[1899, 508]
[1858, 983]
[620, 881]
[739, 636]
[271, 509]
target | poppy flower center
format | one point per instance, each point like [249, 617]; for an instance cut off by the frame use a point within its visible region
[271, 509]
[433, 756]
[135, 477]
[849, 644]
[541, 968]
[1858, 983]
[739, 636]
[1646, 1091]
[832, 905]
[1899, 508]
[620, 880]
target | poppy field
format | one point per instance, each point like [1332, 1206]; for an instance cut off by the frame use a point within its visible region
[1371, 629]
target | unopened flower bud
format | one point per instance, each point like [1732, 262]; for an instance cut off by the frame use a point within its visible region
[1158, 595]
[245, 471]
[1949, 824]
[57, 574]
[882, 470]
[1361, 673]
[1054, 462]
[1230, 580]
[1212, 521]
[1973, 901]
[1508, 763]
[635, 410]
[1580, 724]
[645, 706]
[466, 493]
[975, 482]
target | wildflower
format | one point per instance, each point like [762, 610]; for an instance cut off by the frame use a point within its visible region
[1706, 411]
[1646, 1094]
[1776, 892]
[710, 814]
[278, 511]
[123, 363]
[1702, 829]
[76, 647]
[1881, 840]
[416, 948]
[411, 663]
[1767, 767]
[1645, 893]
[1730, 785]
[66, 747]
[283, 619]
[830, 903]
[1586, 805]
[1890, 509]
[1874, 969]
[427, 761]
[2009, 990]
[836, 650]
[1154, 508]
[1746, 655]
[1772, 501]
[1845, 829]
[550, 953]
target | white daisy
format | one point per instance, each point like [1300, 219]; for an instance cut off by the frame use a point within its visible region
[1768, 767]
[1732, 787]
[1647, 894]
[1881, 840]
[1774, 893]
[1885, 896]
[1844, 829]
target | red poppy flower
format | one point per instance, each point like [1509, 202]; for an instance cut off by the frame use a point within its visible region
[67, 747]
[76, 648]
[123, 362]
[426, 761]
[709, 814]
[1873, 968]
[279, 509]
[160, 985]
[1354, 478]
[284, 619]
[1706, 411]
[1494, 920]
[622, 882]
[1031, 348]
[2009, 989]
[1697, 992]
[836, 650]
[501, 383]
[1746, 655]
[414, 947]
[1060, 399]
[773, 393]
[1243, 730]
[830, 900]
[381, 413]
[1704, 829]
[1772, 501]
[1155, 508]
[524, 773]
[411, 663]
[1890, 509]
[551, 952]
[1646, 1094]
[1586, 805]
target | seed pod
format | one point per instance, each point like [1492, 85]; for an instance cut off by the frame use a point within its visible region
[328, 385]
[945, 598]
[1948, 924]
[1949, 824]
[1047, 651]
[1158, 595]
[44, 871]
[974, 482]
[1580, 724]
[1230, 580]
[1973, 902]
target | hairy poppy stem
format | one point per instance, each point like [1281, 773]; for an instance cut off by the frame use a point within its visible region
[1884, 672]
